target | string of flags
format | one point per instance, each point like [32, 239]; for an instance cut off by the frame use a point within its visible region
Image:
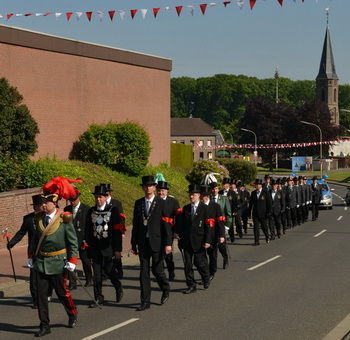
[133, 12]
[267, 146]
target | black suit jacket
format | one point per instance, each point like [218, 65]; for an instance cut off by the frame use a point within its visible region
[173, 207]
[79, 221]
[215, 213]
[194, 233]
[278, 204]
[316, 193]
[27, 227]
[106, 246]
[291, 197]
[158, 227]
[261, 207]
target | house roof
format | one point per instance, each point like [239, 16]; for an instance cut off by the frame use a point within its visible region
[190, 127]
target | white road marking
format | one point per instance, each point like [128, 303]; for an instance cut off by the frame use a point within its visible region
[341, 331]
[320, 233]
[93, 336]
[265, 262]
[339, 218]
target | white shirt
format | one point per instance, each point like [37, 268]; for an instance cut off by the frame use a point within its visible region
[102, 208]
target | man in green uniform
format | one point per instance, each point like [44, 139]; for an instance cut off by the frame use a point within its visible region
[53, 251]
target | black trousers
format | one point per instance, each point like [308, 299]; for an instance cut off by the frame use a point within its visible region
[33, 285]
[291, 217]
[169, 260]
[260, 222]
[200, 260]
[238, 223]
[213, 258]
[87, 268]
[315, 208]
[107, 263]
[275, 225]
[146, 254]
[59, 283]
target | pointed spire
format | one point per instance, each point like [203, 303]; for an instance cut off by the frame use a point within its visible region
[327, 66]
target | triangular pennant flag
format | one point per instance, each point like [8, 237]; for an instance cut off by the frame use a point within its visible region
[240, 3]
[155, 11]
[111, 14]
[133, 13]
[68, 15]
[203, 8]
[100, 15]
[226, 3]
[178, 10]
[58, 15]
[49, 14]
[89, 15]
[122, 14]
[167, 8]
[39, 14]
[281, 2]
[8, 16]
[28, 14]
[212, 4]
[144, 12]
[252, 3]
[1, 16]
[191, 9]
[79, 14]
[19, 14]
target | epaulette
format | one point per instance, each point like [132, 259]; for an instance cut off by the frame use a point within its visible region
[66, 217]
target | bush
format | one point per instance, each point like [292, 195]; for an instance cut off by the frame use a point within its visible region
[122, 147]
[240, 170]
[10, 172]
[202, 168]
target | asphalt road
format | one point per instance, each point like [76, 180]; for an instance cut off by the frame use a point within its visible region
[296, 287]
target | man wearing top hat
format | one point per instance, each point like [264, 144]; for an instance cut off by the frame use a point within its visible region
[79, 213]
[103, 235]
[216, 222]
[151, 238]
[244, 205]
[260, 206]
[316, 195]
[28, 227]
[53, 250]
[277, 207]
[308, 198]
[194, 234]
[267, 182]
[291, 204]
[118, 263]
[173, 207]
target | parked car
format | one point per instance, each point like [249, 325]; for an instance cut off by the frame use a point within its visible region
[347, 197]
[327, 196]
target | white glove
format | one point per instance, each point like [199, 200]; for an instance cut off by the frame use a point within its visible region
[297, 205]
[227, 228]
[70, 266]
[30, 263]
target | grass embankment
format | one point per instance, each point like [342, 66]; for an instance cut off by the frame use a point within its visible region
[126, 189]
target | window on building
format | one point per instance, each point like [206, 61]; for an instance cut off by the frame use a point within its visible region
[201, 155]
[192, 142]
[201, 143]
[335, 95]
[182, 142]
[208, 142]
[174, 141]
[210, 155]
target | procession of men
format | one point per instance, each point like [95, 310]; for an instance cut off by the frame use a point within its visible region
[202, 229]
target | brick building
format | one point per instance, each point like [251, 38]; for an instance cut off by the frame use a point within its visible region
[69, 84]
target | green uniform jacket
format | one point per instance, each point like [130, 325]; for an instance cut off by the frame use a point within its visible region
[225, 205]
[61, 236]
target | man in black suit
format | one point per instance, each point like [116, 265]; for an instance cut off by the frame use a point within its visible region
[243, 208]
[79, 212]
[28, 227]
[260, 206]
[316, 194]
[277, 207]
[103, 235]
[116, 203]
[173, 207]
[193, 232]
[151, 239]
[291, 204]
[216, 222]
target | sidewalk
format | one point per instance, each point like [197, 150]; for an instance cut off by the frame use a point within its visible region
[8, 286]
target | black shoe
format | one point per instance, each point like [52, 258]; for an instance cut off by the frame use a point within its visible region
[267, 239]
[225, 264]
[119, 296]
[42, 332]
[232, 239]
[245, 231]
[240, 235]
[88, 284]
[206, 284]
[190, 290]
[165, 297]
[144, 306]
[34, 306]
[171, 276]
[72, 322]
[72, 287]
[256, 244]
[95, 305]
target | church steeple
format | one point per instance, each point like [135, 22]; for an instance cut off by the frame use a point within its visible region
[327, 79]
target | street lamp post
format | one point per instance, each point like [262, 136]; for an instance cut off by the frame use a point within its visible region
[228, 132]
[321, 162]
[256, 143]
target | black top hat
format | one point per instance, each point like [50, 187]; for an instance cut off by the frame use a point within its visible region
[47, 196]
[300, 177]
[100, 190]
[240, 183]
[233, 181]
[314, 178]
[37, 199]
[213, 185]
[258, 181]
[194, 188]
[148, 180]
[278, 181]
[162, 185]
[226, 181]
[267, 176]
[205, 190]
[107, 185]
[273, 182]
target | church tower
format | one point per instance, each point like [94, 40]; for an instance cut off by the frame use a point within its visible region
[327, 80]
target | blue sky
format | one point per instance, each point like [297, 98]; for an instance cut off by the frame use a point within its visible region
[225, 40]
